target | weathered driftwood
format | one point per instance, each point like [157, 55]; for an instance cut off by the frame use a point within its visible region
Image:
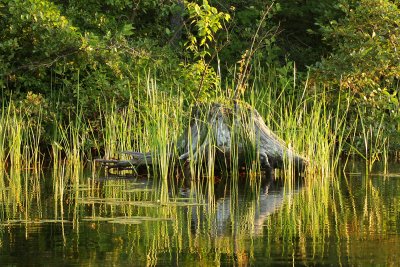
[137, 160]
[236, 133]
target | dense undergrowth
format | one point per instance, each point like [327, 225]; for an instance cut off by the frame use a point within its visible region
[84, 81]
[87, 79]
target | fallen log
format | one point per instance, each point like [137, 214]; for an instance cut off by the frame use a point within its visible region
[235, 133]
[137, 160]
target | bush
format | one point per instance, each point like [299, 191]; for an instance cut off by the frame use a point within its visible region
[364, 64]
[365, 57]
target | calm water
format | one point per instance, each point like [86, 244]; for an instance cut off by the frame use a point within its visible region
[352, 219]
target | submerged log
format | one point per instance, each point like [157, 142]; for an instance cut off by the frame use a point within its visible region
[229, 134]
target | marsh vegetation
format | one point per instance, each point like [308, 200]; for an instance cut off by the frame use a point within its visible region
[70, 206]
[81, 82]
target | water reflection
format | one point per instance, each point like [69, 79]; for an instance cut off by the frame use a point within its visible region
[248, 208]
[351, 219]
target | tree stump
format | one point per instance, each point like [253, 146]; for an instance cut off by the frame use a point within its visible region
[235, 133]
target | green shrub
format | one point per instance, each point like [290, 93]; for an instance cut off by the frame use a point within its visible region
[364, 63]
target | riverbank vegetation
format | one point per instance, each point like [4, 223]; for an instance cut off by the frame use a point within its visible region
[87, 79]
[83, 80]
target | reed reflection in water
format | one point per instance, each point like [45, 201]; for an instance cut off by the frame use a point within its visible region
[351, 219]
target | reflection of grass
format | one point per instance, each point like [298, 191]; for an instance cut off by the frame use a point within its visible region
[191, 229]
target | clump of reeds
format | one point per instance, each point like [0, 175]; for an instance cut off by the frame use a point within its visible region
[20, 138]
[154, 124]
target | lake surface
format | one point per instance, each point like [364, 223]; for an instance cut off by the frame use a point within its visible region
[350, 219]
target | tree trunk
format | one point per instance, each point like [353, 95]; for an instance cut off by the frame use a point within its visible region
[177, 23]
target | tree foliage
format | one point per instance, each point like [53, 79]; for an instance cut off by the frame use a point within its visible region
[365, 44]
[365, 58]
[34, 37]
[63, 54]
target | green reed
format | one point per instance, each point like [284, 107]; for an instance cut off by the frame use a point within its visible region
[119, 132]
[307, 125]
[374, 142]
[301, 119]
[154, 124]
[20, 163]
[319, 133]
[20, 137]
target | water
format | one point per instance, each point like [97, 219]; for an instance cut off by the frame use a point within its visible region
[352, 219]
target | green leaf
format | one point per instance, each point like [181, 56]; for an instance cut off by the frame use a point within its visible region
[127, 30]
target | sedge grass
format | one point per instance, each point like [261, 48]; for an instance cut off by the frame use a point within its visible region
[156, 125]
[374, 142]
[302, 120]
[20, 137]
[305, 123]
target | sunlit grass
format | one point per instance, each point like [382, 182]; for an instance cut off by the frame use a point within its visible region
[313, 206]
